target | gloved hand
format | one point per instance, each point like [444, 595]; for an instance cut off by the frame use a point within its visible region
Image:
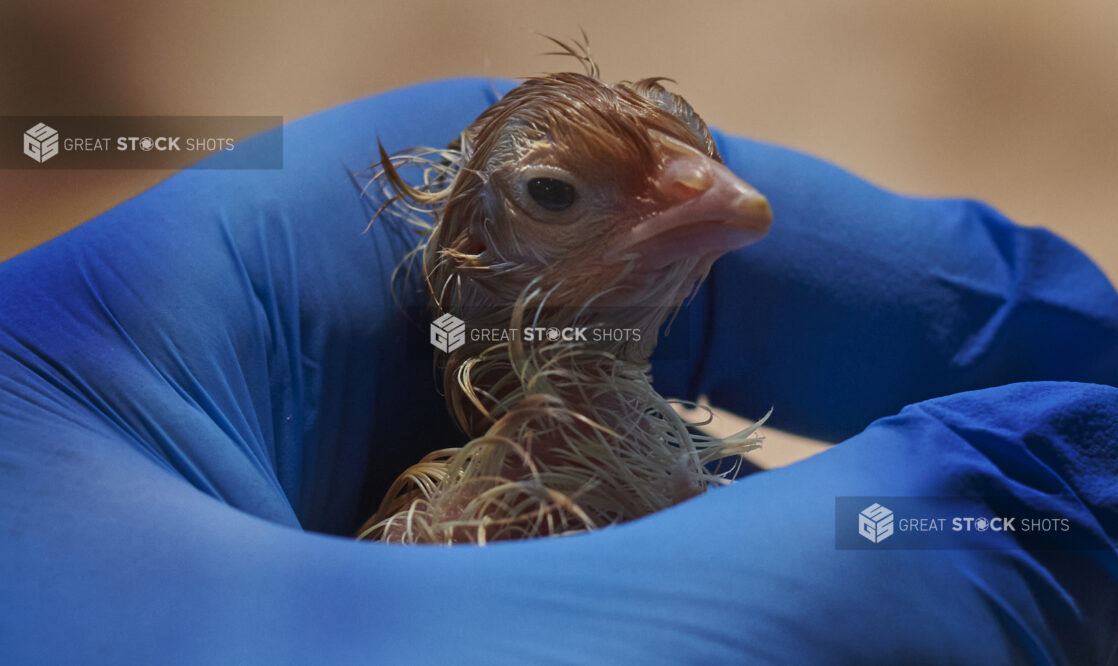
[201, 385]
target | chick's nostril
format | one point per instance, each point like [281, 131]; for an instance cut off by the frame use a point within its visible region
[695, 178]
[684, 171]
[685, 178]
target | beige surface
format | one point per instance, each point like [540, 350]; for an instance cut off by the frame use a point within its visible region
[1012, 102]
[778, 448]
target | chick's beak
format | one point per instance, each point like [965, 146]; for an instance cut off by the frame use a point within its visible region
[709, 211]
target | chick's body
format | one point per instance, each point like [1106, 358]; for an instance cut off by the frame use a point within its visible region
[571, 203]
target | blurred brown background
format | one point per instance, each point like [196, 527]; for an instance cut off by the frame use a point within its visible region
[1012, 102]
[1015, 102]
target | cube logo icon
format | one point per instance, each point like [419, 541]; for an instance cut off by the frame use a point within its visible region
[448, 333]
[875, 523]
[40, 143]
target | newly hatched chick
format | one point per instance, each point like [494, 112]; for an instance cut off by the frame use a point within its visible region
[568, 203]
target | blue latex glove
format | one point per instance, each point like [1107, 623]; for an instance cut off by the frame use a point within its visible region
[191, 380]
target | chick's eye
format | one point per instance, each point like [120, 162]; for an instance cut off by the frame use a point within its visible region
[551, 193]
